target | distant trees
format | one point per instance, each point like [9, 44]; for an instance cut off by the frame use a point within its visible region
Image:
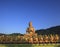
[52, 30]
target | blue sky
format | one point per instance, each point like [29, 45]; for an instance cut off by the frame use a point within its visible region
[16, 14]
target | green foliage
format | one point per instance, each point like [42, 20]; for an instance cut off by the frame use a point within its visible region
[29, 45]
[52, 30]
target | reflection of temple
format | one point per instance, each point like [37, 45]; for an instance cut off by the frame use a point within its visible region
[30, 33]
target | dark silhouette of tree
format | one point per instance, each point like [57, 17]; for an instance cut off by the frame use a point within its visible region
[52, 30]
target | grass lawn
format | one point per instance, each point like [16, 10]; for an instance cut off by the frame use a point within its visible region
[29, 45]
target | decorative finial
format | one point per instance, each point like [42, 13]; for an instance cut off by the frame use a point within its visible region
[30, 24]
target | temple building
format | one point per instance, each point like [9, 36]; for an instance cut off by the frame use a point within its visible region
[30, 29]
[30, 35]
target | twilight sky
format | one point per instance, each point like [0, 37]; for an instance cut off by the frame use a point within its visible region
[16, 14]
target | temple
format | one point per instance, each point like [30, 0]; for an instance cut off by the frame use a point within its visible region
[30, 29]
[30, 34]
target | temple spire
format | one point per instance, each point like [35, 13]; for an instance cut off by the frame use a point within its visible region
[30, 29]
[30, 24]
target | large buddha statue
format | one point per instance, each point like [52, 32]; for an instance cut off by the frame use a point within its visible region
[30, 29]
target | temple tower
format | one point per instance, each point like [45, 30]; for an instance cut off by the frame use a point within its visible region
[30, 29]
[30, 35]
